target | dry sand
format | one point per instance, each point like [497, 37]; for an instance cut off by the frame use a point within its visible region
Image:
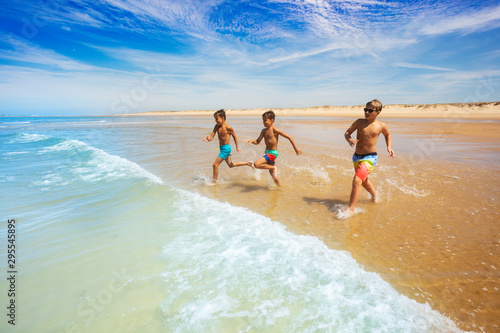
[482, 110]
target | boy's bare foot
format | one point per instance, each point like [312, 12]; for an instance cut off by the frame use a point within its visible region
[375, 197]
[212, 183]
[252, 165]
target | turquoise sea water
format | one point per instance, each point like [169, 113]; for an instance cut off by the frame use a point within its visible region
[104, 244]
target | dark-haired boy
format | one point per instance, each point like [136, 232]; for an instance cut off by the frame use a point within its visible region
[270, 135]
[224, 132]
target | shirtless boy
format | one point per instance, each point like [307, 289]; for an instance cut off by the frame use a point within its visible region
[270, 134]
[224, 132]
[365, 156]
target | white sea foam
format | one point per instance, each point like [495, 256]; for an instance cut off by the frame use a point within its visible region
[407, 189]
[26, 138]
[229, 269]
[343, 212]
[15, 122]
[13, 153]
[318, 174]
[51, 179]
[92, 164]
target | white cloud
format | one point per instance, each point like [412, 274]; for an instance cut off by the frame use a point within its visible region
[24, 51]
[465, 77]
[420, 66]
[307, 52]
[188, 16]
[467, 22]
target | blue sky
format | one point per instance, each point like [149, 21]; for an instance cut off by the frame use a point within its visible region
[83, 57]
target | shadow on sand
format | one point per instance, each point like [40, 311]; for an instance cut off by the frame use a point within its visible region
[246, 188]
[333, 205]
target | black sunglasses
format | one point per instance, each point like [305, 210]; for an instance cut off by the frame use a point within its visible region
[369, 110]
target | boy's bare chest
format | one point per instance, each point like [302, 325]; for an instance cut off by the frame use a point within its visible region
[222, 131]
[269, 136]
[369, 131]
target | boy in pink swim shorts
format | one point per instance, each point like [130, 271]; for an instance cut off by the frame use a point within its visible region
[365, 156]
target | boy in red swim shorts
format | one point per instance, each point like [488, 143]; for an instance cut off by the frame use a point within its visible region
[365, 156]
[270, 135]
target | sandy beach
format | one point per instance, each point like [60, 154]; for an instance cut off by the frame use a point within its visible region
[485, 111]
[130, 195]
[433, 236]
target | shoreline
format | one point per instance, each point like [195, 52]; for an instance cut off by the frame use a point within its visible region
[427, 247]
[472, 111]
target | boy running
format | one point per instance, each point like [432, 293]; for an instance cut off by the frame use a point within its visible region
[365, 156]
[224, 132]
[271, 135]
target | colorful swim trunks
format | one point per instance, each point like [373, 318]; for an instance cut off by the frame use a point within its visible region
[363, 164]
[271, 156]
[225, 151]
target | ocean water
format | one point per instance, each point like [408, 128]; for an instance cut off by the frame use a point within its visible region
[107, 243]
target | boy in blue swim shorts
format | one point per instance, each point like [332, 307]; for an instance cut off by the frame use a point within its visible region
[224, 132]
[365, 156]
[270, 135]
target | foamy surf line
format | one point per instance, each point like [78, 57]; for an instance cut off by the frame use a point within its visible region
[230, 268]
[90, 163]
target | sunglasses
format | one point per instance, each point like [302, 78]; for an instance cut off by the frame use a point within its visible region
[369, 110]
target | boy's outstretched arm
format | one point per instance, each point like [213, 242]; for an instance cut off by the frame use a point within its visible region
[211, 137]
[283, 134]
[388, 140]
[259, 139]
[348, 133]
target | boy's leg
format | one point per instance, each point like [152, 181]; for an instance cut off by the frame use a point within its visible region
[357, 184]
[237, 164]
[261, 163]
[215, 167]
[274, 174]
[367, 184]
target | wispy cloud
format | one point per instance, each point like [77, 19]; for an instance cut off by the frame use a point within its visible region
[270, 52]
[467, 22]
[26, 52]
[420, 66]
[465, 77]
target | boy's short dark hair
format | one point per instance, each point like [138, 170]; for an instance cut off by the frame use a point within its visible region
[269, 115]
[220, 113]
[377, 105]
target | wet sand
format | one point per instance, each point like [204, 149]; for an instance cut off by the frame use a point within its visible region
[434, 235]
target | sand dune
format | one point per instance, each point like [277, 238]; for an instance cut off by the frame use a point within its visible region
[482, 110]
